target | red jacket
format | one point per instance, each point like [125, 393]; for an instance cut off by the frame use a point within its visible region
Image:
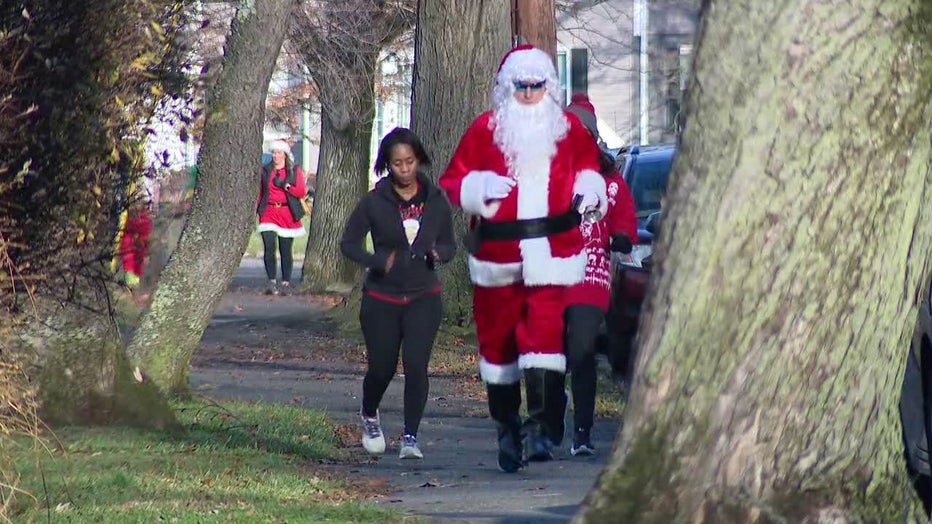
[545, 187]
[595, 290]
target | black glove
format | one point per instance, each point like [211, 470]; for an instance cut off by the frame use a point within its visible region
[430, 260]
[621, 243]
[279, 182]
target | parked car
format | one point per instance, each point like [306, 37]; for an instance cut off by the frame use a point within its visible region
[916, 402]
[646, 170]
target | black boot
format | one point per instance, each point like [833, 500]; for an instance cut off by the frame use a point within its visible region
[546, 407]
[504, 403]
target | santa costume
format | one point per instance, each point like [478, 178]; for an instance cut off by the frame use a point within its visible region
[517, 170]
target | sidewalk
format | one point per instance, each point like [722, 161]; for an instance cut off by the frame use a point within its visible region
[458, 479]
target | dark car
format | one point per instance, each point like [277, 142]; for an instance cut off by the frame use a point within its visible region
[916, 402]
[646, 170]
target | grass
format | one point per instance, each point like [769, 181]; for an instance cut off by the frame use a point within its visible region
[236, 462]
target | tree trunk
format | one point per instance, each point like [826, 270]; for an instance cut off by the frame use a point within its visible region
[343, 172]
[213, 241]
[458, 48]
[84, 376]
[537, 25]
[68, 150]
[795, 240]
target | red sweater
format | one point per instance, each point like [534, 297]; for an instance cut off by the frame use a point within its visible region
[595, 290]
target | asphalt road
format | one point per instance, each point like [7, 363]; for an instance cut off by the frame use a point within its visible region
[458, 479]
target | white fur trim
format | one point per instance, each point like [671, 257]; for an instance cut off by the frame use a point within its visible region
[527, 64]
[499, 373]
[541, 268]
[588, 181]
[281, 231]
[472, 193]
[533, 176]
[550, 361]
[281, 145]
[493, 274]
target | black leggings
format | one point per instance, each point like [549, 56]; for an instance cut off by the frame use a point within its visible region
[385, 325]
[284, 247]
[582, 329]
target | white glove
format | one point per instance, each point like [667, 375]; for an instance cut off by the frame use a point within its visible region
[497, 187]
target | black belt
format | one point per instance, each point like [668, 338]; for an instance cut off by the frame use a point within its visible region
[528, 228]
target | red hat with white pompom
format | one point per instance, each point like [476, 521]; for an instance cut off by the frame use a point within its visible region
[527, 62]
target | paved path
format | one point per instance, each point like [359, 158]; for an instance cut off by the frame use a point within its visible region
[458, 479]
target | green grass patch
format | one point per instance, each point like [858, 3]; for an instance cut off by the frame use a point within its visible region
[609, 399]
[235, 462]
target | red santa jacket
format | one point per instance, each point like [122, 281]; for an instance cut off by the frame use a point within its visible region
[545, 187]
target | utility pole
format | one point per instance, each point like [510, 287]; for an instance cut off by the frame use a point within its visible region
[534, 22]
[641, 31]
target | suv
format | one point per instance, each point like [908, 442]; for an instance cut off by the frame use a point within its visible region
[646, 170]
[916, 402]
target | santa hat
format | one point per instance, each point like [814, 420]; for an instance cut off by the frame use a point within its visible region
[583, 108]
[281, 145]
[526, 62]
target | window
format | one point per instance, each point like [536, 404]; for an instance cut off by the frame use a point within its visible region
[563, 72]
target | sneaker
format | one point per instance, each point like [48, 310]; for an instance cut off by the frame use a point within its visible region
[285, 289]
[372, 438]
[272, 288]
[409, 449]
[582, 446]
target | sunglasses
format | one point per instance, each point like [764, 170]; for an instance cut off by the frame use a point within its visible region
[533, 86]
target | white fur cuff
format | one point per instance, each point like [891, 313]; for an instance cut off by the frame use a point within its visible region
[549, 361]
[493, 274]
[499, 373]
[472, 194]
[590, 182]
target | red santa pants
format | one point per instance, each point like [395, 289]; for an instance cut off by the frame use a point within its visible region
[519, 327]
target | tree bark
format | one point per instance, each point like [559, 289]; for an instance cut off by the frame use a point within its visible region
[223, 214]
[458, 48]
[69, 148]
[537, 25]
[794, 244]
[84, 375]
[343, 172]
[341, 42]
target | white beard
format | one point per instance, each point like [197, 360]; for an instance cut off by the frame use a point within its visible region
[528, 135]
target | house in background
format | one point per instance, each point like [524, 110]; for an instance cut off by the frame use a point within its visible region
[635, 83]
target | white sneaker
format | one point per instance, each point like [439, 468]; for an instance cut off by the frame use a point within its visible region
[409, 448]
[372, 438]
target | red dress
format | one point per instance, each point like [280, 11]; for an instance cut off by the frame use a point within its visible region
[595, 289]
[276, 216]
[134, 246]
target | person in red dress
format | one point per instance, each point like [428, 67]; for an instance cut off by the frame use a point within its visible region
[134, 244]
[517, 170]
[279, 210]
[588, 301]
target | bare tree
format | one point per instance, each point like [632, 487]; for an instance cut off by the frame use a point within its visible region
[796, 235]
[459, 45]
[218, 228]
[340, 43]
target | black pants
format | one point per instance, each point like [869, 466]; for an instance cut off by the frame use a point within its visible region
[385, 326]
[284, 247]
[582, 329]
